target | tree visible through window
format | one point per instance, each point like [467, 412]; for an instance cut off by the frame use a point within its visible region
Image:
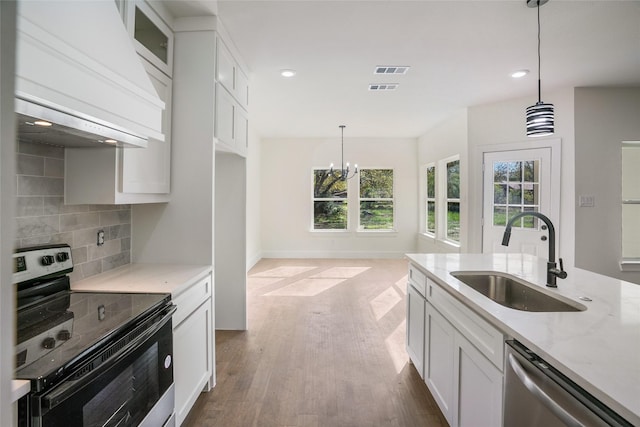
[516, 188]
[453, 200]
[329, 201]
[376, 199]
[431, 200]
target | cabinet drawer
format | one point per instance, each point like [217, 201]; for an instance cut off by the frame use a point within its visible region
[187, 301]
[484, 336]
[418, 280]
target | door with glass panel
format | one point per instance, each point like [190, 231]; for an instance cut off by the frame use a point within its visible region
[517, 181]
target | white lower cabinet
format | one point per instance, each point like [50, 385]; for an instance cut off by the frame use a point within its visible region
[439, 364]
[463, 359]
[479, 382]
[415, 328]
[193, 346]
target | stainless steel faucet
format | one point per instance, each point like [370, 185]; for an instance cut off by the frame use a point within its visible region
[552, 271]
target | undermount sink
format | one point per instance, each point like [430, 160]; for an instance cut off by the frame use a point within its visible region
[515, 293]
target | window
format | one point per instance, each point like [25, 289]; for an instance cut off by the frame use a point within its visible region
[430, 207]
[376, 199]
[453, 201]
[329, 201]
[516, 188]
[631, 202]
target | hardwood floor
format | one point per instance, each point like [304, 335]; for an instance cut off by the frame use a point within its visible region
[325, 347]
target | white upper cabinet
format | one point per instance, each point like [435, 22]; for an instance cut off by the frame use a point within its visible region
[152, 37]
[232, 101]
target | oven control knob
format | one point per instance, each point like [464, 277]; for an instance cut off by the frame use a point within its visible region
[47, 259]
[64, 335]
[62, 256]
[48, 343]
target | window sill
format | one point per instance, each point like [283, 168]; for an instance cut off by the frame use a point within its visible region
[630, 264]
[428, 236]
[449, 243]
[376, 233]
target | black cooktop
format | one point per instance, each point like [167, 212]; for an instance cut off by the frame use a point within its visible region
[61, 331]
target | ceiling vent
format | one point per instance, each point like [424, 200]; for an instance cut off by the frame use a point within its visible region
[378, 87]
[391, 69]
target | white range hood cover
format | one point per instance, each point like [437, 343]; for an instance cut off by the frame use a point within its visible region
[77, 57]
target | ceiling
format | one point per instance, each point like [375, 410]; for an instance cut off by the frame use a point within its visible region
[461, 53]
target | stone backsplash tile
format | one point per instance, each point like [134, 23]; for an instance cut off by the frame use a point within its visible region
[43, 218]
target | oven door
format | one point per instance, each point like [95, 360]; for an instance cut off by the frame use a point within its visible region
[132, 387]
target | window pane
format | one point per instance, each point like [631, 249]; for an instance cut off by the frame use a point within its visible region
[453, 221]
[499, 215]
[530, 221]
[326, 185]
[330, 215]
[499, 172]
[376, 215]
[531, 170]
[376, 183]
[500, 193]
[431, 217]
[513, 211]
[515, 171]
[530, 194]
[453, 180]
[431, 182]
[515, 194]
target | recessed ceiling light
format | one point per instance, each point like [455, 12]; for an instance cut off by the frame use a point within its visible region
[288, 73]
[42, 123]
[519, 74]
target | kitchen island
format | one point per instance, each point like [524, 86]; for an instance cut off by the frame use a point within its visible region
[598, 348]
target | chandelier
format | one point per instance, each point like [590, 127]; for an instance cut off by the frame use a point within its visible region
[344, 171]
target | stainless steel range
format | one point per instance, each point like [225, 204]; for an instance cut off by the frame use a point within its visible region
[93, 359]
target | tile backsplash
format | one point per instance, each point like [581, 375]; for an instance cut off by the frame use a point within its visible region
[42, 217]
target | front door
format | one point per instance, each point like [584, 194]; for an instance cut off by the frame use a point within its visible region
[517, 181]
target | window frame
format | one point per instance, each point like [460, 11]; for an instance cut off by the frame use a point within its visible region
[628, 262]
[443, 199]
[315, 199]
[428, 199]
[392, 199]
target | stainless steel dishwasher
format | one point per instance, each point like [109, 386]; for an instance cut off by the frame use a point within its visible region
[536, 395]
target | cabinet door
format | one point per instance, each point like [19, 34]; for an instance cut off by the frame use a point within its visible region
[241, 133]
[225, 107]
[148, 170]
[225, 66]
[415, 328]
[192, 343]
[439, 363]
[153, 39]
[242, 88]
[479, 394]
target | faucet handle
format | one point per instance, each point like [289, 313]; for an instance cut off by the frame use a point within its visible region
[562, 274]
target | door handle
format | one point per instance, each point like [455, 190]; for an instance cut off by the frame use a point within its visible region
[540, 394]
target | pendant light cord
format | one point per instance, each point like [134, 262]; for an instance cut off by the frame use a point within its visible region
[539, 60]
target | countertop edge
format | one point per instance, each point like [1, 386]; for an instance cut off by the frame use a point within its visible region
[19, 388]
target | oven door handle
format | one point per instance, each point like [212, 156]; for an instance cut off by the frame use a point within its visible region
[68, 387]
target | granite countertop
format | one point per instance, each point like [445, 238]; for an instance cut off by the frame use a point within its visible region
[598, 348]
[151, 278]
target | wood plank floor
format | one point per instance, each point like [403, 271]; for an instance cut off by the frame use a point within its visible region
[325, 347]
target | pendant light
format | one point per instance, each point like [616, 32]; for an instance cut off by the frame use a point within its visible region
[344, 172]
[540, 116]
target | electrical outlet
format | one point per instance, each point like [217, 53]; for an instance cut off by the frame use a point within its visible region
[100, 237]
[587, 201]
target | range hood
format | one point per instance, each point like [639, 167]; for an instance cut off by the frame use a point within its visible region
[77, 71]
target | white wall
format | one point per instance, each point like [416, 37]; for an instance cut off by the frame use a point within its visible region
[254, 231]
[604, 118]
[504, 123]
[447, 139]
[7, 205]
[286, 197]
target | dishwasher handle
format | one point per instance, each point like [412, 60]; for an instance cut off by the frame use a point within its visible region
[540, 394]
